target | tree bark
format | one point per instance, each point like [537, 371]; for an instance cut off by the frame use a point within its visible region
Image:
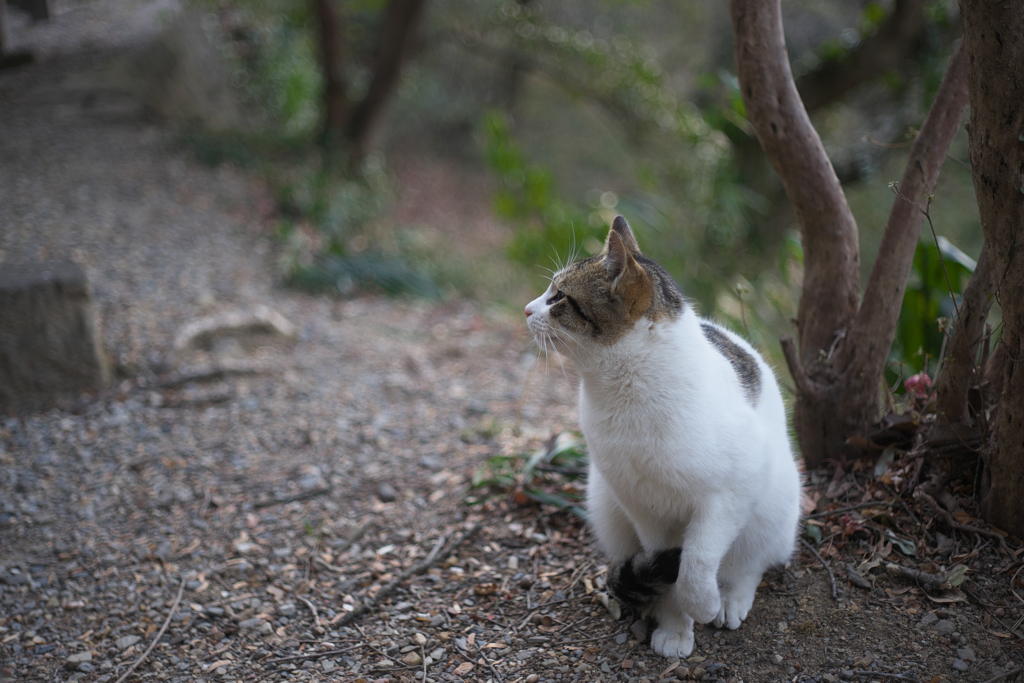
[994, 45]
[842, 347]
[332, 63]
[897, 37]
[400, 26]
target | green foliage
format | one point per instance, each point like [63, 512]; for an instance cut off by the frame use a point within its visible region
[551, 475]
[330, 239]
[527, 199]
[927, 310]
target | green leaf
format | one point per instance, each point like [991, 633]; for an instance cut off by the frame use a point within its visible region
[957, 575]
[907, 547]
[813, 532]
[951, 253]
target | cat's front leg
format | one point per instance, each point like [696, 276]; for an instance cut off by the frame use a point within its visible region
[707, 538]
[674, 635]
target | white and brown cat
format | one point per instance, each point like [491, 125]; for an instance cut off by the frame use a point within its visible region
[692, 490]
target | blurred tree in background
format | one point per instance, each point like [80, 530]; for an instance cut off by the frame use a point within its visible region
[583, 110]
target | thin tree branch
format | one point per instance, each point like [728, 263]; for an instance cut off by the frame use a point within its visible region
[831, 286]
[960, 371]
[435, 555]
[804, 384]
[866, 349]
[159, 635]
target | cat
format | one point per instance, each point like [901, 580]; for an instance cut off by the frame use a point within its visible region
[692, 488]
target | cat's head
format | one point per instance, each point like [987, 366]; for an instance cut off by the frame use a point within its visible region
[599, 299]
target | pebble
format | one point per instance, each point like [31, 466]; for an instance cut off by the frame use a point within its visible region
[927, 620]
[126, 642]
[419, 639]
[777, 658]
[966, 654]
[621, 638]
[413, 659]
[944, 627]
[75, 661]
[532, 678]
[287, 609]
[864, 662]
[959, 665]
[386, 492]
[639, 630]
[327, 665]
[250, 623]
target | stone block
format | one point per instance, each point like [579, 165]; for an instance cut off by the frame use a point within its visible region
[49, 337]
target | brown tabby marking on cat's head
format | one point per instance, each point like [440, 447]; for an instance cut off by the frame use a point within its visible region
[605, 295]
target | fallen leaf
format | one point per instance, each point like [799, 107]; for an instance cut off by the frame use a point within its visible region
[219, 663]
[485, 589]
[957, 575]
[963, 517]
[463, 669]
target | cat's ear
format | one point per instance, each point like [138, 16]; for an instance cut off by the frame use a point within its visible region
[618, 261]
[620, 226]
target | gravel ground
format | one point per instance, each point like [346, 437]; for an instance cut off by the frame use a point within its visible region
[309, 509]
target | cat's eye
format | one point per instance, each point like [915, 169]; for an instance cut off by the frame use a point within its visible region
[559, 295]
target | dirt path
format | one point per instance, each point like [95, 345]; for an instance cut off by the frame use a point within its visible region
[285, 498]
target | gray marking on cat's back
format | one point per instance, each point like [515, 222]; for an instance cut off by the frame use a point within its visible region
[742, 362]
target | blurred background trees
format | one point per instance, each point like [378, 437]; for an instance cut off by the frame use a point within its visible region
[575, 112]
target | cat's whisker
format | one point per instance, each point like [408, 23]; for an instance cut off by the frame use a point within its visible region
[561, 364]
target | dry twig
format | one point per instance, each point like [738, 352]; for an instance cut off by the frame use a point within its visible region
[925, 579]
[1005, 674]
[159, 635]
[312, 608]
[858, 506]
[831, 576]
[952, 523]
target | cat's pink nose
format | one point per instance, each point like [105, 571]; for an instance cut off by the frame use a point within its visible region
[528, 312]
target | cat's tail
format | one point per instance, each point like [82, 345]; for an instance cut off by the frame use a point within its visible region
[639, 581]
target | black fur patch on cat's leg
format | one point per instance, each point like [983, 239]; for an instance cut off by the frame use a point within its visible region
[638, 581]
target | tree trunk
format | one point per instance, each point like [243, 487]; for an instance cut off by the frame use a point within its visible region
[994, 44]
[400, 25]
[842, 347]
[332, 63]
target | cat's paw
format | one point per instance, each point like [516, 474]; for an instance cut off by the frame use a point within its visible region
[698, 596]
[670, 643]
[732, 613]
